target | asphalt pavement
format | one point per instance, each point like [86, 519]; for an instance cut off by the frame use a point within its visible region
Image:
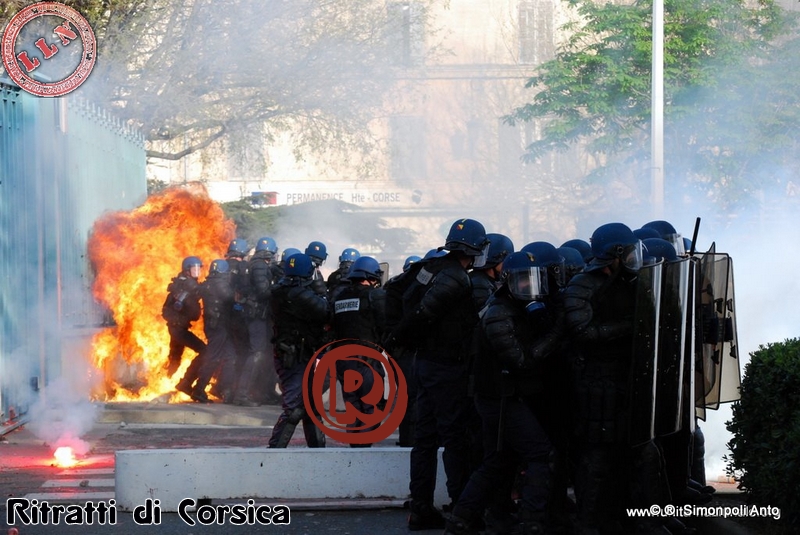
[28, 471]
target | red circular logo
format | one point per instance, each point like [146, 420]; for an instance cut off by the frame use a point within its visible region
[48, 49]
[374, 427]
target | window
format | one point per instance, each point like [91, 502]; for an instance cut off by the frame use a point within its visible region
[536, 36]
[405, 33]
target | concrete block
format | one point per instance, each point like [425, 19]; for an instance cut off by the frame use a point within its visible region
[172, 475]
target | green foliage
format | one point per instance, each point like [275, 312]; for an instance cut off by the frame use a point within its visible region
[765, 448]
[251, 223]
[730, 86]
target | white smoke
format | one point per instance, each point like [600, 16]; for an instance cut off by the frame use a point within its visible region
[63, 414]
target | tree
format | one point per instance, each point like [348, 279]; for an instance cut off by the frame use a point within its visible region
[188, 73]
[728, 98]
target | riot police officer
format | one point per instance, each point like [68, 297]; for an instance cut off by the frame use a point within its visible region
[318, 253]
[507, 372]
[180, 309]
[299, 315]
[438, 318]
[225, 387]
[485, 280]
[599, 307]
[359, 314]
[218, 297]
[258, 379]
[346, 259]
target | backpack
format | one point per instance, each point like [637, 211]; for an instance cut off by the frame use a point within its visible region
[404, 292]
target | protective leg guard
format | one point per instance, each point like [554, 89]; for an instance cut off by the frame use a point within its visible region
[247, 380]
[284, 427]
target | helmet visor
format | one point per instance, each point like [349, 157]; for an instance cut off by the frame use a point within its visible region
[528, 284]
[480, 259]
[632, 257]
[194, 271]
[677, 241]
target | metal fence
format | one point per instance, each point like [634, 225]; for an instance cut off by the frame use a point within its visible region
[63, 162]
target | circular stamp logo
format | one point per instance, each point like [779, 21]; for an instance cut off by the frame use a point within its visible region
[48, 49]
[362, 365]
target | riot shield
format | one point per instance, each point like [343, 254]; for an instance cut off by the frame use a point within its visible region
[385, 272]
[673, 332]
[721, 375]
[642, 385]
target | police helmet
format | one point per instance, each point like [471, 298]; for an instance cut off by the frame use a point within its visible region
[410, 260]
[469, 237]
[299, 265]
[525, 276]
[582, 246]
[192, 265]
[656, 249]
[434, 253]
[687, 244]
[238, 248]
[646, 232]
[289, 252]
[546, 255]
[267, 244]
[219, 266]
[615, 241]
[573, 261]
[317, 251]
[500, 246]
[365, 267]
[349, 255]
[191, 261]
[667, 232]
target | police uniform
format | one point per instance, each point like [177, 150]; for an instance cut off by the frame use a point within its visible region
[300, 315]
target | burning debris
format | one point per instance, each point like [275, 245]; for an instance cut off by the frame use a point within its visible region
[135, 254]
[65, 457]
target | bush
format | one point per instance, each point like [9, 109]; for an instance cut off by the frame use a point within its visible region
[765, 449]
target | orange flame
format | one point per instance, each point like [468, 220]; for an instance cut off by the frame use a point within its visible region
[65, 457]
[135, 255]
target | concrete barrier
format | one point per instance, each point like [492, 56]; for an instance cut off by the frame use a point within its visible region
[173, 475]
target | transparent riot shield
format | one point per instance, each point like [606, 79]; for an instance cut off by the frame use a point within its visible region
[385, 275]
[642, 387]
[673, 334]
[718, 346]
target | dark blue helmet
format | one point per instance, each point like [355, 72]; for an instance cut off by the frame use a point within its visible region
[500, 247]
[191, 261]
[219, 266]
[615, 241]
[349, 255]
[299, 265]
[687, 244]
[546, 255]
[289, 252]
[237, 248]
[267, 244]
[657, 250]
[317, 251]
[582, 246]
[667, 232]
[525, 276]
[191, 266]
[434, 253]
[365, 267]
[469, 237]
[410, 260]
[644, 233]
[573, 261]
